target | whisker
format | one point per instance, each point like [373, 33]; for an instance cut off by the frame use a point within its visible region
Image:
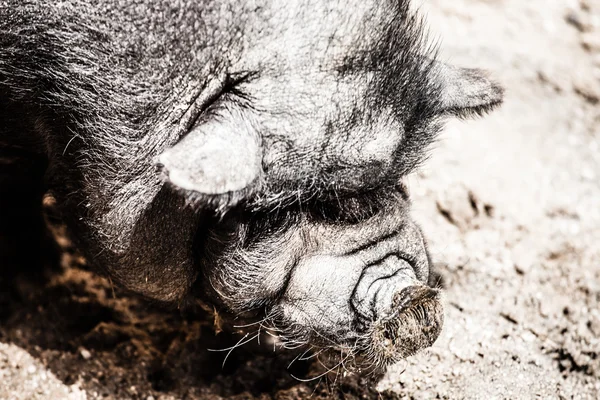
[251, 324]
[314, 355]
[240, 343]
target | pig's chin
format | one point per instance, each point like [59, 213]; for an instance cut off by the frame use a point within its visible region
[414, 323]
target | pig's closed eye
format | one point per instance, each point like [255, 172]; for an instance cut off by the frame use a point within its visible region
[234, 84]
[350, 210]
[361, 206]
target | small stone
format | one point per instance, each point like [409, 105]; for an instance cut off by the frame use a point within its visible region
[587, 89]
[545, 309]
[31, 369]
[590, 41]
[85, 354]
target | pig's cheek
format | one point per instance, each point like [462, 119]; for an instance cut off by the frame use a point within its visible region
[247, 277]
[244, 283]
[317, 298]
[300, 322]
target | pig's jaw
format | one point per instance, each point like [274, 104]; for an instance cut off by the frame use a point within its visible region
[358, 287]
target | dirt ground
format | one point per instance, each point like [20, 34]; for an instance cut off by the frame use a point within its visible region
[510, 204]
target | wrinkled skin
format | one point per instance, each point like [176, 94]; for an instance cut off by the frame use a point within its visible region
[248, 154]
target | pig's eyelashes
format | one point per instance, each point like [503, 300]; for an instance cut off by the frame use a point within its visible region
[234, 83]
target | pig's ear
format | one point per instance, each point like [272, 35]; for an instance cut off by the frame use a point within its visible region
[219, 156]
[466, 92]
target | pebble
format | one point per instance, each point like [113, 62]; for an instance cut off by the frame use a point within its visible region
[85, 354]
[587, 89]
[591, 41]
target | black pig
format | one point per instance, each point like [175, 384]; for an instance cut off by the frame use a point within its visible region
[246, 153]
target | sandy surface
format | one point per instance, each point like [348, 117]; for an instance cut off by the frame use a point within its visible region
[511, 206]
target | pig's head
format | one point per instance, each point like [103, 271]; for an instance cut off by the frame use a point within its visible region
[293, 122]
[303, 149]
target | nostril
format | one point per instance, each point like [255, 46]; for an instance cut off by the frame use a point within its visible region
[387, 334]
[413, 297]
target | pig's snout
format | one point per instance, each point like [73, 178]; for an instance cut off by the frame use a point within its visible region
[379, 282]
[414, 322]
[360, 288]
[401, 314]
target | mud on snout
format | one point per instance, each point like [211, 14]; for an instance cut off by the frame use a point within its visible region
[359, 290]
[414, 323]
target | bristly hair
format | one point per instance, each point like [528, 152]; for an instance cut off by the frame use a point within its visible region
[402, 57]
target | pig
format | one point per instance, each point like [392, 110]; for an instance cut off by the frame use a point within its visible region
[249, 155]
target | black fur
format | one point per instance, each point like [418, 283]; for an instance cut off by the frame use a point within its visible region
[344, 96]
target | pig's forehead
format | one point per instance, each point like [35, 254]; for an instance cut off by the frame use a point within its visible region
[253, 30]
[170, 38]
[315, 29]
[327, 34]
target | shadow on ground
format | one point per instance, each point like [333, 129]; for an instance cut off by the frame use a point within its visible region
[113, 344]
